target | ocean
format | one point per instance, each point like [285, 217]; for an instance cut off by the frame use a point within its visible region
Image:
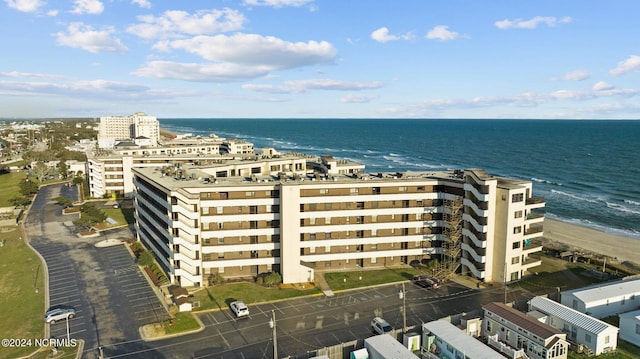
[588, 171]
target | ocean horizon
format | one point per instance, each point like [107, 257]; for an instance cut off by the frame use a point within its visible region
[588, 171]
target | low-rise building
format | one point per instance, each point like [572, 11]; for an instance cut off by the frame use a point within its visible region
[502, 324]
[594, 335]
[630, 327]
[445, 340]
[604, 299]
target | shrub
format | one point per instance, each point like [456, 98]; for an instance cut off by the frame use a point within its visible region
[272, 279]
[215, 279]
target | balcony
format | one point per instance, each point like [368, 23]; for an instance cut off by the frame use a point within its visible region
[533, 230]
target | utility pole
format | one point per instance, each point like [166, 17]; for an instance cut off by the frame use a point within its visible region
[403, 296]
[272, 324]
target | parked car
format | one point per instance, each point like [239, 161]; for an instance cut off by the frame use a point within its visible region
[239, 309]
[425, 281]
[380, 326]
[57, 313]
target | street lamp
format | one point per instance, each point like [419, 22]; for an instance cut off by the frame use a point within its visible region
[272, 324]
[403, 295]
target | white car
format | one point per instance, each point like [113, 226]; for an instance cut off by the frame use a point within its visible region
[57, 313]
[239, 309]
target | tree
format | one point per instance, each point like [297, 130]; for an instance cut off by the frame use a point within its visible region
[28, 187]
[89, 216]
[21, 201]
[63, 168]
[41, 171]
[64, 201]
[145, 259]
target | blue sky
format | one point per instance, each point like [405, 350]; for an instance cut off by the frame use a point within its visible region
[320, 58]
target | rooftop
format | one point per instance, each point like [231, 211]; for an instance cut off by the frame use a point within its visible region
[522, 320]
[473, 348]
[569, 315]
[604, 291]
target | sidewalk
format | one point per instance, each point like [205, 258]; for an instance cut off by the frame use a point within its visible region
[323, 285]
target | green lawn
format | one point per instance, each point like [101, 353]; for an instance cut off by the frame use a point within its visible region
[10, 187]
[219, 297]
[22, 308]
[183, 322]
[349, 280]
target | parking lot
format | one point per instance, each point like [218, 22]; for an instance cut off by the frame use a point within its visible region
[111, 296]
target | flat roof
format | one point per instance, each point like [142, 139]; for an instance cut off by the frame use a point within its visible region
[389, 347]
[604, 291]
[454, 336]
[569, 315]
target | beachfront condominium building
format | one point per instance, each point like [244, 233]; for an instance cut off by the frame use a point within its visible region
[137, 126]
[109, 171]
[296, 216]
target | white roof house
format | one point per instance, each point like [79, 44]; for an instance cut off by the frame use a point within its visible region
[630, 327]
[605, 299]
[596, 335]
[451, 341]
[386, 346]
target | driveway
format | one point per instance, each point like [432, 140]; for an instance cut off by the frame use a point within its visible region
[111, 296]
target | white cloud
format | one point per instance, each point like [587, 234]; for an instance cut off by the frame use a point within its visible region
[300, 86]
[176, 23]
[257, 50]
[94, 7]
[142, 3]
[442, 33]
[219, 72]
[277, 3]
[268, 89]
[578, 75]
[602, 86]
[336, 85]
[531, 23]
[632, 64]
[382, 35]
[52, 13]
[357, 98]
[85, 37]
[17, 74]
[25, 5]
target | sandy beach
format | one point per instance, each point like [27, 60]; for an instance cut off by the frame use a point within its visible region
[598, 242]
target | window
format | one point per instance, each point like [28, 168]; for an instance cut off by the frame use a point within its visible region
[606, 339]
[324, 191]
[402, 189]
[517, 197]
[587, 338]
[327, 235]
[312, 220]
[515, 245]
[353, 191]
[221, 240]
[515, 260]
[517, 230]
[219, 210]
[312, 236]
[517, 214]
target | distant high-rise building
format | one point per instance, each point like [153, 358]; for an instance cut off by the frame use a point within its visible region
[139, 126]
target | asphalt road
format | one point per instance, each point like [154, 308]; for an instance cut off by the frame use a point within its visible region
[306, 325]
[111, 296]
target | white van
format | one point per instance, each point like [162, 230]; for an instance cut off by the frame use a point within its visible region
[380, 326]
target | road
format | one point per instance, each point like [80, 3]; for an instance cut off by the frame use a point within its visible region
[110, 294]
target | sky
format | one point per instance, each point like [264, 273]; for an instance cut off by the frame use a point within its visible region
[548, 59]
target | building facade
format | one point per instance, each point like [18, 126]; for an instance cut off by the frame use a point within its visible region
[504, 324]
[114, 128]
[594, 335]
[109, 172]
[605, 299]
[271, 214]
